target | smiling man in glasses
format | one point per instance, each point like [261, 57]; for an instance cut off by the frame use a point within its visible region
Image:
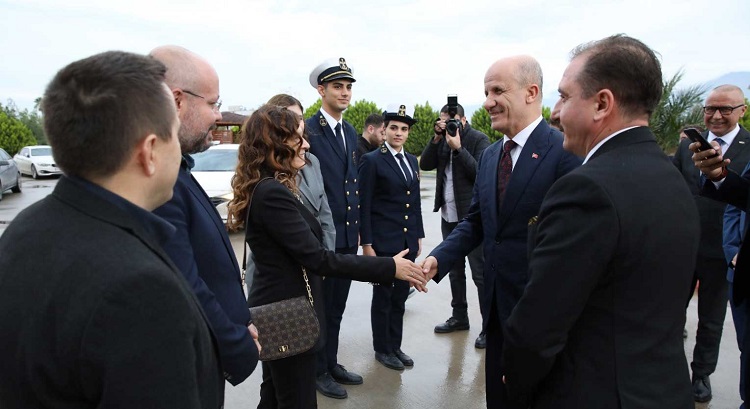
[201, 247]
[724, 107]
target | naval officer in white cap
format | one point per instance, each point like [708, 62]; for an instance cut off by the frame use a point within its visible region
[334, 142]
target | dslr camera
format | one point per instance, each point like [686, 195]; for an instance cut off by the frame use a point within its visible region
[452, 125]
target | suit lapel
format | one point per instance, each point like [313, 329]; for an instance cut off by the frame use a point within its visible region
[488, 179]
[740, 142]
[330, 137]
[393, 163]
[534, 150]
[203, 199]
[304, 188]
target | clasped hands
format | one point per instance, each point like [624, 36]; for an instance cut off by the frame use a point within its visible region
[416, 274]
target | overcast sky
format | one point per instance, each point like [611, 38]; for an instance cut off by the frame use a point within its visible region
[405, 51]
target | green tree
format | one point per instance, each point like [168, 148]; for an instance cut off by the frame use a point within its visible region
[32, 119]
[676, 109]
[546, 113]
[421, 132]
[357, 113]
[745, 120]
[312, 109]
[481, 121]
[14, 135]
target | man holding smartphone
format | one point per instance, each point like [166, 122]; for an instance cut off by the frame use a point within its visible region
[724, 107]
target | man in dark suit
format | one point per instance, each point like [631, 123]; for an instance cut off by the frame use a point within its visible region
[391, 222]
[600, 322]
[334, 142]
[455, 157]
[711, 266]
[513, 176]
[101, 318]
[201, 247]
[373, 135]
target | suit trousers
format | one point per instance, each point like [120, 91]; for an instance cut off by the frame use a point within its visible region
[457, 276]
[495, 392]
[712, 309]
[289, 383]
[387, 312]
[739, 317]
[336, 292]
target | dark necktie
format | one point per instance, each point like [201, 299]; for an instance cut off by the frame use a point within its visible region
[504, 170]
[721, 143]
[340, 138]
[407, 174]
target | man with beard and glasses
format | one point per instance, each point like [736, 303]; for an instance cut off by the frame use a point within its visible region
[201, 247]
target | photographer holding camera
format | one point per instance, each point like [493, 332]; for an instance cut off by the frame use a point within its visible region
[454, 151]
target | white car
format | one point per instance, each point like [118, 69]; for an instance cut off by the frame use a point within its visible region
[213, 170]
[36, 161]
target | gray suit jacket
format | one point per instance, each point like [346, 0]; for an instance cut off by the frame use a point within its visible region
[310, 182]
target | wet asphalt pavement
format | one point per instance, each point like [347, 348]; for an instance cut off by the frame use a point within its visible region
[448, 370]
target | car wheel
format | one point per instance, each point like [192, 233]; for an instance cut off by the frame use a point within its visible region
[33, 172]
[17, 188]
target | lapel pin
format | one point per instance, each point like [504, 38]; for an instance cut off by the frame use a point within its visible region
[741, 142]
[383, 149]
[323, 121]
[535, 156]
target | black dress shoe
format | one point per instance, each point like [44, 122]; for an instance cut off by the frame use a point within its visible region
[481, 342]
[702, 389]
[328, 387]
[342, 376]
[405, 359]
[451, 325]
[389, 360]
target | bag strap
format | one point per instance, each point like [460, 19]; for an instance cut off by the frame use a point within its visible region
[244, 250]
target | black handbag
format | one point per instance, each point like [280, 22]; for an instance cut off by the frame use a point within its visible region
[287, 327]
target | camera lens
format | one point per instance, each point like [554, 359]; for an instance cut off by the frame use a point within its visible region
[451, 127]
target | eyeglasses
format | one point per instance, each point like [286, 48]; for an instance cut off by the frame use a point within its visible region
[722, 110]
[215, 106]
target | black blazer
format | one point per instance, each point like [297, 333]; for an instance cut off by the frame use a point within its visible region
[339, 175]
[391, 207]
[103, 319]
[711, 212]
[283, 236]
[600, 322]
[438, 155]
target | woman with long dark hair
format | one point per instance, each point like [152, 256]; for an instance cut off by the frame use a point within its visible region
[285, 238]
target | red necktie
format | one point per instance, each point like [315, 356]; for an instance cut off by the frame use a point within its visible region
[504, 170]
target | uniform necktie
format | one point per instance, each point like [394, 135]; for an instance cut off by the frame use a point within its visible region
[401, 162]
[504, 170]
[340, 138]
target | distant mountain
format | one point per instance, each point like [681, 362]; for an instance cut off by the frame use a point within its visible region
[740, 79]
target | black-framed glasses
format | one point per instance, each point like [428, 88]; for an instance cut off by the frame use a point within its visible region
[709, 110]
[215, 106]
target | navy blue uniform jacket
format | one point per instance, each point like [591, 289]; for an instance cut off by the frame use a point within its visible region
[391, 207]
[339, 175]
[541, 162]
[203, 253]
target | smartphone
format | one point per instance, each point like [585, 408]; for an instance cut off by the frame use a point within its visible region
[696, 136]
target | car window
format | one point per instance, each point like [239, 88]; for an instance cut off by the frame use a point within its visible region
[215, 160]
[4, 155]
[24, 152]
[41, 152]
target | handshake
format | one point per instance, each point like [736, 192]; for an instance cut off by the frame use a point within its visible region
[416, 274]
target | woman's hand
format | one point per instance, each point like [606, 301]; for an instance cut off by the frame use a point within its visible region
[407, 270]
[368, 251]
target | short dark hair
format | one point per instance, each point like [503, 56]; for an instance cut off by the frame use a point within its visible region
[625, 66]
[97, 109]
[459, 111]
[375, 120]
